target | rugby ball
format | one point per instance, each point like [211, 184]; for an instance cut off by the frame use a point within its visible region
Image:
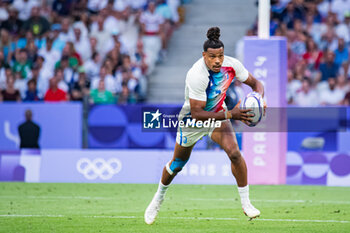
[255, 102]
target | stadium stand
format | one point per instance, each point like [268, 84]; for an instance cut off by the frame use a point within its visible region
[103, 49]
[318, 34]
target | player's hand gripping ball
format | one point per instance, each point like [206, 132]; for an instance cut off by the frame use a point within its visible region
[255, 102]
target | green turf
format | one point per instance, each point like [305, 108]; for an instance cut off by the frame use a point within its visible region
[188, 208]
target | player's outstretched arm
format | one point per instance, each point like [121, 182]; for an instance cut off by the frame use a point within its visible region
[255, 84]
[198, 112]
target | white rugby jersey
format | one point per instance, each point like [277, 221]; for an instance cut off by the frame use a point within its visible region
[206, 85]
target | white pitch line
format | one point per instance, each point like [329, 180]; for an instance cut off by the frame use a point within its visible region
[190, 199]
[58, 197]
[31, 216]
[183, 218]
[277, 201]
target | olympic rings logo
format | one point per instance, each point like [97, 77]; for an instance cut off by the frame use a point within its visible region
[98, 167]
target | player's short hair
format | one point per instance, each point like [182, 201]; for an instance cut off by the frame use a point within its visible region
[213, 41]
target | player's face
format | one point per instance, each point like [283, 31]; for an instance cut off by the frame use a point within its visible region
[214, 58]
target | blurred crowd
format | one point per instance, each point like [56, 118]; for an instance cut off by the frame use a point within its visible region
[318, 35]
[67, 50]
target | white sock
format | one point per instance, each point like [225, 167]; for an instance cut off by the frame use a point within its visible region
[162, 190]
[244, 194]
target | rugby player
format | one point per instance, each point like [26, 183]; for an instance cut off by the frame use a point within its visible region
[206, 85]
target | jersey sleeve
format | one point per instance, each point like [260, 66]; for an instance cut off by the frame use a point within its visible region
[197, 85]
[241, 72]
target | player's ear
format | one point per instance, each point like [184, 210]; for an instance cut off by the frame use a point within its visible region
[204, 53]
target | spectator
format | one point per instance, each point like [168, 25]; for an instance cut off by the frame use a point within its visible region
[12, 24]
[110, 21]
[3, 67]
[329, 40]
[32, 51]
[126, 97]
[73, 57]
[140, 58]
[343, 29]
[101, 35]
[65, 34]
[101, 95]
[290, 14]
[138, 4]
[10, 93]
[6, 44]
[313, 11]
[60, 77]
[291, 57]
[332, 95]
[151, 27]
[92, 66]
[110, 84]
[20, 84]
[339, 7]
[313, 29]
[55, 94]
[31, 93]
[80, 88]
[41, 76]
[24, 8]
[29, 132]
[96, 5]
[346, 100]
[22, 64]
[301, 71]
[293, 86]
[114, 59]
[81, 44]
[129, 29]
[164, 10]
[343, 84]
[93, 45]
[125, 76]
[83, 22]
[297, 43]
[341, 53]
[306, 96]
[130, 74]
[62, 7]
[345, 69]
[118, 6]
[329, 68]
[4, 15]
[312, 56]
[58, 43]
[37, 24]
[67, 74]
[22, 41]
[50, 55]
[116, 41]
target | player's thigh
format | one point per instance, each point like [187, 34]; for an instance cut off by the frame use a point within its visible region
[181, 152]
[186, 138]
[225, 136]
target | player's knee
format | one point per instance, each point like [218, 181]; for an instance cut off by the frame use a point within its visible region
[173, 167]
[234, 154]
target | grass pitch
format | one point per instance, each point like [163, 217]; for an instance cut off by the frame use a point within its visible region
[84, 208]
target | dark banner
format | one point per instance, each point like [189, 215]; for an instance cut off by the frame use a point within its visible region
[155, 126]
